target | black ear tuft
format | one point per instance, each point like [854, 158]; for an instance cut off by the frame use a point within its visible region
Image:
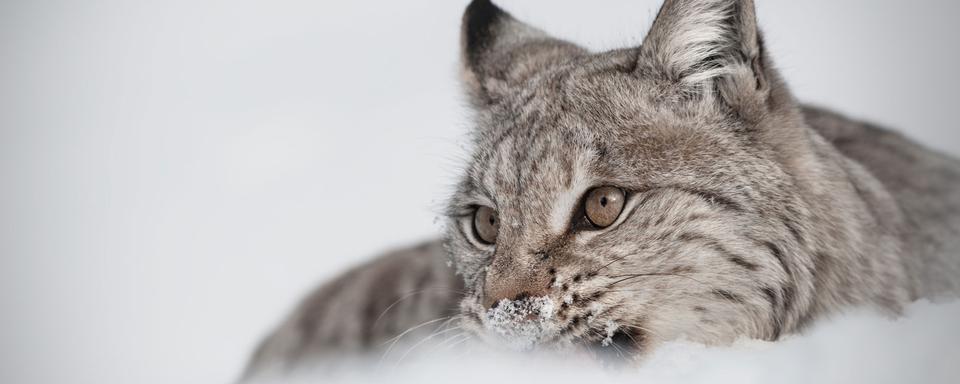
[499, 52]
[479, 21]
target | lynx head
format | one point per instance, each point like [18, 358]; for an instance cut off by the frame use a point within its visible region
[632, 196]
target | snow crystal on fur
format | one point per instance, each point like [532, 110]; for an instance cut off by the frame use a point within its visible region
[521, 323]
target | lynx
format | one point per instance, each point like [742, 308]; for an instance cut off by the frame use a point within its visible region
[640, 195]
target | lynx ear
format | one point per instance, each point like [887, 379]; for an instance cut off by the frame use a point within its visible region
[499, 52]
[694, 42]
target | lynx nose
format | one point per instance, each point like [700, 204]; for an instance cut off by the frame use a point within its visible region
[511, 285]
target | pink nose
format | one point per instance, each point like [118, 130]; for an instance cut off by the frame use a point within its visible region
[508, 286]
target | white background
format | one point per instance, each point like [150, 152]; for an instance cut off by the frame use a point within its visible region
[175, 174]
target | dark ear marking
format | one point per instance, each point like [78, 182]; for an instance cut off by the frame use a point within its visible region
[479, 20]
[498, 52]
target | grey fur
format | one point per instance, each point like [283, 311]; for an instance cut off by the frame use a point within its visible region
[748, 214]
[359, 312]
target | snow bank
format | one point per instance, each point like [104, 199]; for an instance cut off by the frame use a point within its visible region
[862, 347]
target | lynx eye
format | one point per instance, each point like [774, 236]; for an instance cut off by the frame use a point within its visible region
[486, 225]
[603, 205]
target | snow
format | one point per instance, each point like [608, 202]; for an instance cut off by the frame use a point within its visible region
[860, 347]
[521, 323]
[610, 329]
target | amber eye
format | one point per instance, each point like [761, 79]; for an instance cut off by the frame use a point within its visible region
[486, 225]
[603, 205]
